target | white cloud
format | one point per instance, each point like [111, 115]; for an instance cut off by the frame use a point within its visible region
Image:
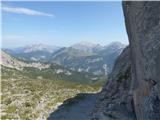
[25, 11]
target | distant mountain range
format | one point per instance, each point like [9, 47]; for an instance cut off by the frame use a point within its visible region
[92, 58]
[81, 57]
[38, 70]
[34, 52]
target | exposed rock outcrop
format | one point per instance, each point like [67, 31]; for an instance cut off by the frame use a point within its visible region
[133, 90]
[143, 28]
[116, 101]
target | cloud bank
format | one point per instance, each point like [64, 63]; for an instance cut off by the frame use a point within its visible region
[25, 11]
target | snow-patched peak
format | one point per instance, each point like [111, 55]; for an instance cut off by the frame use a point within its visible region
[87, 46]
[39, 47]
[115, 46]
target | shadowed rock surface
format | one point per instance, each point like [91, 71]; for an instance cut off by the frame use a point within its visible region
[116, 100]
[77, 108]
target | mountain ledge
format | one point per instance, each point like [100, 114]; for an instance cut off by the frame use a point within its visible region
[133, 90]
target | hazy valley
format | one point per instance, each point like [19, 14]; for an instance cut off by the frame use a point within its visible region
[82, 57]
[32, 89]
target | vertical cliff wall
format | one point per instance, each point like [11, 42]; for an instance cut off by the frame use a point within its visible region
[143, 27]
[116, 101]
[133, 90]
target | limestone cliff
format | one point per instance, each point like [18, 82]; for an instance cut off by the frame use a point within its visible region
[116, 101]
[133, 90]
[143, 28]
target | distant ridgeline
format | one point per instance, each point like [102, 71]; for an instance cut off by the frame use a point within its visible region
[81, 57]
[37, 70]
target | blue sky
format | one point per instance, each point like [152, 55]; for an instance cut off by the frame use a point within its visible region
[62, 23]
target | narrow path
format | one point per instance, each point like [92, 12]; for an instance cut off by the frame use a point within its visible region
[77, 108]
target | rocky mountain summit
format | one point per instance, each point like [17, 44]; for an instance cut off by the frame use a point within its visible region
[39, 47]
[133, 91]
[88, 47]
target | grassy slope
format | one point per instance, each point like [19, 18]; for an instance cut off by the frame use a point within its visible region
[28, 98]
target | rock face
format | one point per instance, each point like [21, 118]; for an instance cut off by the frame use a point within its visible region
[133, 90]
[116, 101]
[143, 28]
